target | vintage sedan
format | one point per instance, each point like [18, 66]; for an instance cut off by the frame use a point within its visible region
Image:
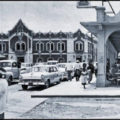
[25, 68]
[40, 75]
[63, 71]
[6, 75]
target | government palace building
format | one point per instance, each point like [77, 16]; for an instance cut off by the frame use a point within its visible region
[22, 44]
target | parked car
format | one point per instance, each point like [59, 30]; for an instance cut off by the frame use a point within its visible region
[11, 68]
[40, 75]
[3, 95]
[25, 67]
[62, 69]
[69, 65]
[5, 75]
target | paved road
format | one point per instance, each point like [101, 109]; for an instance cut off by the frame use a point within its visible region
[21, 105]
[20, 101]
[75, 108]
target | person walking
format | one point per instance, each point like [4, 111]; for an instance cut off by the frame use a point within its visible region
[3, 96]
[77, 70]
[69, 68]
[91, 71]
[84, 74]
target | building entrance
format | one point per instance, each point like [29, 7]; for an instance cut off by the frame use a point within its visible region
[79, 58]
[20, 59]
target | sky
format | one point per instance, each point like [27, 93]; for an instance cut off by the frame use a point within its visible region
[45, 16]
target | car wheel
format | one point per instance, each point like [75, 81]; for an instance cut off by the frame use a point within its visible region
[10, 80]
[59, 81]
[24, 87]
[47, 84]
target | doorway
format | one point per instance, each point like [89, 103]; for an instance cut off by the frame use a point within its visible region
[20, 59]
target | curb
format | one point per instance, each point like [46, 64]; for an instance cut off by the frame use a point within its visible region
[75, 96]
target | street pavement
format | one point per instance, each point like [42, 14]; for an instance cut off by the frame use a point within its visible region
[74, 88]
[20, 101]
[75, 108]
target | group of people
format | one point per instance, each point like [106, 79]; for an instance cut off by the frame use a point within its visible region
[84, 73]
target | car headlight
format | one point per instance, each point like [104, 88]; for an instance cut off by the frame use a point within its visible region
[3, 76]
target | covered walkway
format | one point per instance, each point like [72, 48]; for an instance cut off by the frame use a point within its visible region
[107, 31]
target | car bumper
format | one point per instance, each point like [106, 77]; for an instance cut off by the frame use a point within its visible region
[31, 84]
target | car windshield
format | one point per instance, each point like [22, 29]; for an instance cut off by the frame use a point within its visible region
[39, 69]
[5, 64]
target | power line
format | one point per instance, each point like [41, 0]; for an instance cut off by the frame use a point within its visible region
[111, 7]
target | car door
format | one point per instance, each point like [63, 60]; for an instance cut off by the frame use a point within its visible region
[51, 74]
[56, 74]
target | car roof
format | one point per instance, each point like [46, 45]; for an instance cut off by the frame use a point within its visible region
[45, 65]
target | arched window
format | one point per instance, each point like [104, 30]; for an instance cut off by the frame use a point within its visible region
[76, 46]
[63, 46]
[81, 47]
[4, 47]
[17, 46]
[58, 46]
[0, 47]
[23, 46]
[41, 46]
[37, 46]
[52, 46]
[48, 47]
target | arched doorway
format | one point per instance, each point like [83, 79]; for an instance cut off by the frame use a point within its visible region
[61, 60]
[39, 60]
[50, 59]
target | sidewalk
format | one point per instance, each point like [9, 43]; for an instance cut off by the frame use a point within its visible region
[73, 88]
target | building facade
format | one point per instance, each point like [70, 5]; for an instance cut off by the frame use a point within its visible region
[23, 45]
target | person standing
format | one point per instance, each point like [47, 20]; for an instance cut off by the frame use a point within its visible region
[77, 70]
[91, 71]
[107, 69]
[84, 74]
[3, 97]
[69, 68]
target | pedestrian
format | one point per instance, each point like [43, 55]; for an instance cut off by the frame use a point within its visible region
[84, 74]
[96, 69]
[91, 71]
[3, 96]
[107, 69]
[69, 68]
[77, 69]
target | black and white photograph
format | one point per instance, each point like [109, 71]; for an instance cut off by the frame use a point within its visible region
[60, 59]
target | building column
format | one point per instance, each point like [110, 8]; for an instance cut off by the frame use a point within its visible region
[101, 52]
[101, 58]
[71, 56]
